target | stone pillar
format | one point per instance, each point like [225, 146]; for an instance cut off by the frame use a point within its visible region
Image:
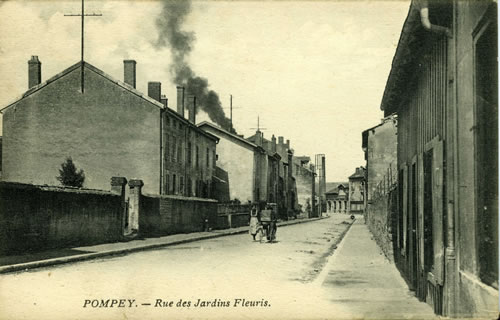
[118, 187]
[134, 206]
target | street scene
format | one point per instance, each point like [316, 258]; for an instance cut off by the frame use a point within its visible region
[249, 159]
[360, 283]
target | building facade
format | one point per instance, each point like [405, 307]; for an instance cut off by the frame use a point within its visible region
[444, 87]
[357, 191]
[380, 148]
[243, 161]
[107, 127]
[337, 198]
[189, 153]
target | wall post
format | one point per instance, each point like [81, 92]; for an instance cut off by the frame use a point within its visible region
[118, 185]
[134, 206]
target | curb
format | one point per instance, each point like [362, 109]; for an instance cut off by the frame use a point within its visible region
[94, 255]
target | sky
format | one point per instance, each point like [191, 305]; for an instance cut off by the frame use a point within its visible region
[312, 71]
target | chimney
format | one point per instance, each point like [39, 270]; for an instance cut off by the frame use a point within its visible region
[273, 145]
[280, 140]
[129, 72]
[164, 100]
[192, 108]
[154, 90]
[288, 144]
[258, 138]
[265, 145]
[34, 72]
[180, 101]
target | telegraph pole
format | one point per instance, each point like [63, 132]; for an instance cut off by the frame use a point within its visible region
[83, 15]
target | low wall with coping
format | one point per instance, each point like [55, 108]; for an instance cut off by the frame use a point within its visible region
[36, 218]
[166, 214]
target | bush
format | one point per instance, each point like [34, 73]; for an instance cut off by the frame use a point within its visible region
[69, 176]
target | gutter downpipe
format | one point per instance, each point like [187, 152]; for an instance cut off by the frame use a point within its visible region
[162, 164]
[426, 23]
[451, 276]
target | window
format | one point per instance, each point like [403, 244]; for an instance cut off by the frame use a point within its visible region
[174, 149]
[428, 212]
[214, 159]
[181, 186]
[179, 152]
[197, 156]
[167, 149]
[167, 184]
[189, 191]
[486, 138]
[208, 158]
[190, 153]
[174, 178]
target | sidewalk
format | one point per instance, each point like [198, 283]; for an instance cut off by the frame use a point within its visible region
[367, 285]
[60, 256]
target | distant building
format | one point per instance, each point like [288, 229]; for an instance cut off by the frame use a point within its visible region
[280, 186]
[337, 197]
[303, 171]
[380, 148]
[245, 163]
[109, 129]
[357, 191]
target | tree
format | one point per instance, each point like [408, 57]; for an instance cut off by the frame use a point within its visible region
[69, 176]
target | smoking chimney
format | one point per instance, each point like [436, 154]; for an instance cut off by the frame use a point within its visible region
[34, 72]
[180, 101]
[154, 90]
[192, 108]
[129, 72]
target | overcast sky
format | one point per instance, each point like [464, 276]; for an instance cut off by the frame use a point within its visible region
[313, 71]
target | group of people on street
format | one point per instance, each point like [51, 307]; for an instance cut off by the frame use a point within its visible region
[263, 222]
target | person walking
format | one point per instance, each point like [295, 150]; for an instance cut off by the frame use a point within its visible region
[254, 222]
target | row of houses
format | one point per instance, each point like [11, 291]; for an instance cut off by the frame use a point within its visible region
[110, 129]
[432, 166]
[265, 171]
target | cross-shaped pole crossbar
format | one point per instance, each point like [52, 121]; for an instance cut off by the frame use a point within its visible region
[83, 15]
[258, 125]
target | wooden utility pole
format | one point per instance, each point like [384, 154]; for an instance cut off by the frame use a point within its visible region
[83, 15]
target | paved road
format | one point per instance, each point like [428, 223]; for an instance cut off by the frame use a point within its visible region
[287, 279]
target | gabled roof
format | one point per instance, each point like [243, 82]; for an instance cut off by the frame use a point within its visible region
[121, 84]
[358, 174]
[333, 187]
[227, 133]
[87, 66]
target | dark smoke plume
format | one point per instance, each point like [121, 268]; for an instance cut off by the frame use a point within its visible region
[180, 43]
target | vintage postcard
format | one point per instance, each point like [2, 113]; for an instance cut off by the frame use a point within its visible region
[218, 159]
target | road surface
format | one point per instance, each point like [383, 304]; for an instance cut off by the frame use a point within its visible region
[228, 277]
